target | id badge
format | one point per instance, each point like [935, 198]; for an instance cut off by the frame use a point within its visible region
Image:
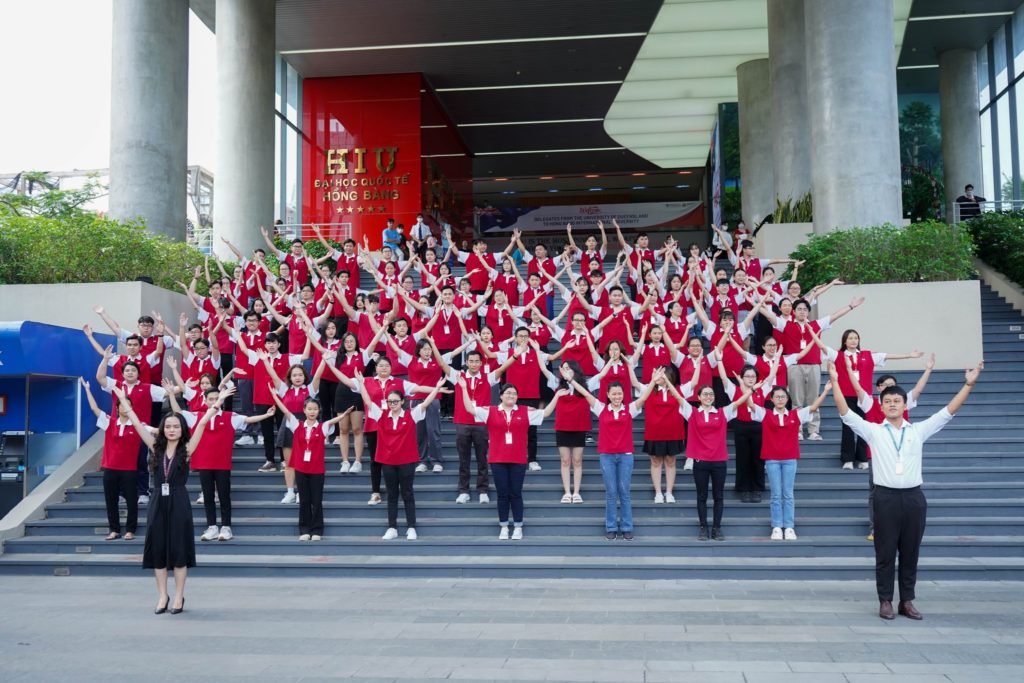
[899, 468]
[165, 489]
[508, 438]
[307, 456]
[803, 344]
[447, 330]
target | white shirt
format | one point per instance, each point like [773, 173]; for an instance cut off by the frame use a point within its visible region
[895, 449]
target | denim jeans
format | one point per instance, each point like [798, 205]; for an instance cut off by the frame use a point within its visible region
[428, 434]
[508, 482]
[617, 470]
[781, 475]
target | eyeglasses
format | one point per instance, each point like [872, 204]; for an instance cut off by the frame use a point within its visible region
[394, 401]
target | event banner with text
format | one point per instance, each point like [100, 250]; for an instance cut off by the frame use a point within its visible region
[631, 217]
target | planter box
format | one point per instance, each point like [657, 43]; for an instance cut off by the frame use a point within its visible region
[939, 317]
[778, 240]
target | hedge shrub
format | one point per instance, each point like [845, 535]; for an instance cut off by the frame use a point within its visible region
[929, 251]
[999, 238]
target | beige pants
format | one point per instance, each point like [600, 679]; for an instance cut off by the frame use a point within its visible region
[804, 387]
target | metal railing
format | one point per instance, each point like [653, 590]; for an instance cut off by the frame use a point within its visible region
[963, 212]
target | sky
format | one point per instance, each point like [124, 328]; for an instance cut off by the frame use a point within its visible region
[56, 109]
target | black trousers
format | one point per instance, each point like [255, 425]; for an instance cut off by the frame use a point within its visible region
[311, 502]
[470, 438]
[749, 466]
[448, 400]
[375, 467]
[227, 363]
[121, 483]
[219, 481]
[326, 396]
[714, 472]
[267, 430]
[531, 432]
[398, 479]
[853, 448]
[899, 527]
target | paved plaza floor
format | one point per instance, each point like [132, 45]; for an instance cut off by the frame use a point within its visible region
[282, 630]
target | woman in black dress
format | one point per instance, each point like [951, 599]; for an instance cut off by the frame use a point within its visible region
[170, 536]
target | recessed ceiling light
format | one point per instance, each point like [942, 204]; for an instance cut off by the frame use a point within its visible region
[638, 174]
[595, 189]
[639, 187]
[552, 190]
[684, 172]
[682, 185]
[500, 179]
[592, 175]
[547, 177]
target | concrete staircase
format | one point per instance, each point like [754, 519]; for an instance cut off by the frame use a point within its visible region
[974, 475]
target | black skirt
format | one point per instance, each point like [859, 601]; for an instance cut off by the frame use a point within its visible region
[170, 535]
[284, 437]
[571, 439]
[345, 398]
[663, 448]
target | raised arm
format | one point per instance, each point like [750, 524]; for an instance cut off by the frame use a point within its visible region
[89, 397]
[970, 379]
[854, 303]
[923, 381]
[837, 393]
[270, 243]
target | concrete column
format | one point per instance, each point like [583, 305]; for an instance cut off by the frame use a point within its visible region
[755, 140]
[854, 131]
[244, 177]
[149, 114]
[791, 155]
[961, 127]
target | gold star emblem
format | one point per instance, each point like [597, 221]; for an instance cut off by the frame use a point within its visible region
[348, 209]
[382, 209]
[360, 209]
[341, 210]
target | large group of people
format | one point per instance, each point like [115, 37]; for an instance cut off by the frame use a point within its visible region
[323, 374]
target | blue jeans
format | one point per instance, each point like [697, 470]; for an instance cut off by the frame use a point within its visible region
[617, 469]
[508, 482]
[781, 475]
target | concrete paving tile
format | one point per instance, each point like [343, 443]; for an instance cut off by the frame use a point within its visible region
[902, 678]
[839, 667]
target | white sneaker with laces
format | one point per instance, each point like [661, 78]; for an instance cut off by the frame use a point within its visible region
[304, 537]
[669, 498]
[790, 535]
[517, 533]
[800, 436]
[225, 534]
[463, 498]
[259, 440]
[356, 468]
[438, 467]
[484, 498]
[374, 499]
[289, 497]
[503, 533]
[688, 465]
[659, 498]
[535, 466]
[422, 467]
[390, 534]
[863, 465]
[776, 534]
[814, 437]
[210, 534]
[200, 500]
[847, 465]
[143, 499]
[410, 534]
[245, 440]
[345, 467]
[316, 537]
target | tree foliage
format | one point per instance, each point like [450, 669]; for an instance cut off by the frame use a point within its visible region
[1000, 241]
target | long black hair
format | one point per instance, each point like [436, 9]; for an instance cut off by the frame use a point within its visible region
[577, 374]
[160, 445]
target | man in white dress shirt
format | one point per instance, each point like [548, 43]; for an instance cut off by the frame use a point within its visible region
[900, 507]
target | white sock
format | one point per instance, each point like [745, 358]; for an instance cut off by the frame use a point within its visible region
[291, 489]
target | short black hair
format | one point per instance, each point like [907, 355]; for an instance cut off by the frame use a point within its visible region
[883, 379]
[746, 243]
[272, 337]
[146, 320]
[968, 186]
[896, 390]
[134, 337]
[296, 241]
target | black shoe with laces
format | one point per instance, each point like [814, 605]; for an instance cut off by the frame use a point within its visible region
[703, 535]
[716, 534]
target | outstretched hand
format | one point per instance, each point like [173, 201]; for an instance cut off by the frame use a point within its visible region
[972, 374]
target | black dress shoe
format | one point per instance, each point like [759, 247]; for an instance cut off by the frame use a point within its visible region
[716, 534]
[703, 535]
[755, 497]
[610, 535]
[744, 496]
[628, 535]
[161, 610]
[179, 610]
[908, 610]
[885, 610]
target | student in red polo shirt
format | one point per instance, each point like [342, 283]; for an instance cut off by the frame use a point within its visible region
[147, 364]
[746, 433]
[244, 370]
[397, 452]
[572, 424]
[296, 258]
[479, 262]
[664, 431]
[425, 369]
[149, 328]
[119, 464]
[524, 374]
[592, 254]
[615, 451]
[507, 426]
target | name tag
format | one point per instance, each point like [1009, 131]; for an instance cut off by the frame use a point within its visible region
[447, 330]
[508, 439]
[899, 468]
[165, 489]
[307, 456]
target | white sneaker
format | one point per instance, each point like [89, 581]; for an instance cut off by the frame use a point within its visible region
[847, 465]
[211, 534]
[463, 498]
[410, 535]
[776, 534]
[503, 533]
[390, 534]
[143, 499]
[669, 498]
[245, 440]
[316, 537]
[484, 498]
[814, 437]
[790, 535]
[304, 537]
[374, 499]
[356, 468]
[863, 465]
[422, 467]
[200, 500]
[259, 440]
[225, 534]
[517, 533]
[438, 467]
[800, 436]
[345, 467]
[688, 465]
[659, 498]
[535, 466]
[296, 498]
[289, 497]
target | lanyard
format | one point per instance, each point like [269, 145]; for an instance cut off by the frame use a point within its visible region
[167, 467]
[903, 433]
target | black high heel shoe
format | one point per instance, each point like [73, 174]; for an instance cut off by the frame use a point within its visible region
[179, 610]
[161, 610]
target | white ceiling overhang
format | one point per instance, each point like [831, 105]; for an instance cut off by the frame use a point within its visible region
[667, 105]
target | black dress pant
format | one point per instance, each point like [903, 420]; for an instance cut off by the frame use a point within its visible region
[219, 481]
[531, 432]
[267, 430]
[470, 438]
[448, 400]
[121, 483]
[227, 363]
[398, 479]
[311, 502]
[899, 527]
[705, 471]
[853, 448]
[326, 397]
[375, 467]
[749, 466]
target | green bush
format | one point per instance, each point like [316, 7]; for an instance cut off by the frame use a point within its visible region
[999, 238]
[794, 210]
[921, 252]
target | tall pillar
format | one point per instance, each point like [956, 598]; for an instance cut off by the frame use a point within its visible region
[851, 93]
[244, 177]
[961, 126]
[755, 114]
[149, 114]
[791, 155]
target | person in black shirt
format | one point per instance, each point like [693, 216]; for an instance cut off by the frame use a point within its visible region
[968, 203]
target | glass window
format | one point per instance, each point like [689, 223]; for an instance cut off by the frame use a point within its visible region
[278, 75]
[983, 93]
[1018, 92]
[292, 104]
[1018, 41]
[277, 165]
[987, 158]
[999, 47]
[1005, 158]
[291, 176]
